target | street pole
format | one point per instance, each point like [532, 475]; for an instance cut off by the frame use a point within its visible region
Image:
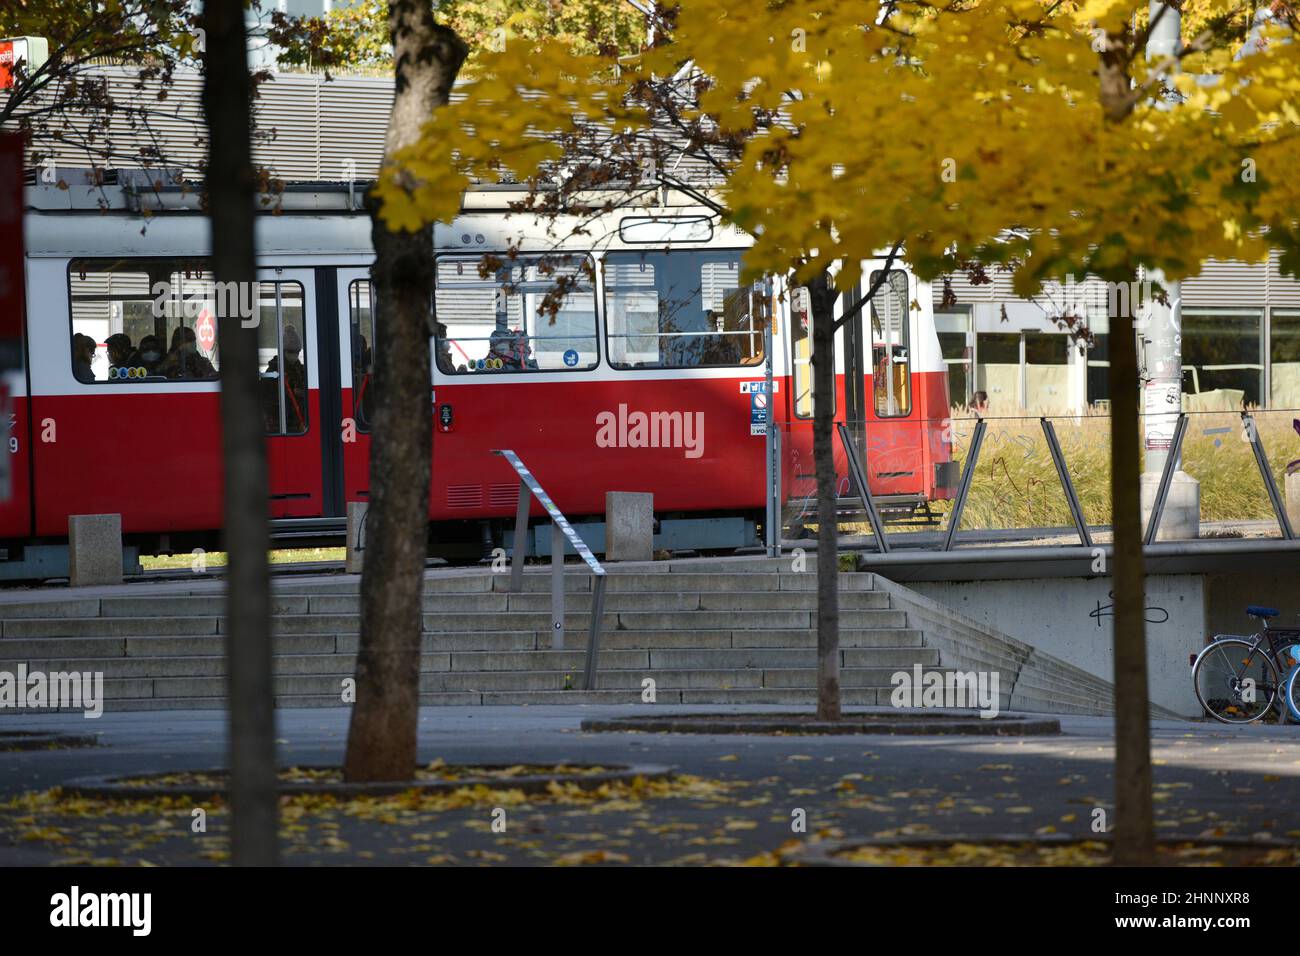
[772, 522]
[1162, 372]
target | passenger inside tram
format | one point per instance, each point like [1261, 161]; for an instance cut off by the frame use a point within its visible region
[183, 359]
[83, 354]
[442, 350]
[295, 385]
[361, 371]
[511, 347]
[151, 354]
[121, 354]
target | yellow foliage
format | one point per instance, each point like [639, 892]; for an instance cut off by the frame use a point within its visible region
[942, 129]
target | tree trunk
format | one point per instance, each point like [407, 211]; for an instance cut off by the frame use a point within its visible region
[382, 733]
[231, 197]
[822, 295]
[1134, 830]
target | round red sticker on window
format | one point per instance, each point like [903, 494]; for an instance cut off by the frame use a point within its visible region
[206, 331]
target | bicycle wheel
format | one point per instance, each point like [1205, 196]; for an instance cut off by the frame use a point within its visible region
[1291, 692]
[1236, 682]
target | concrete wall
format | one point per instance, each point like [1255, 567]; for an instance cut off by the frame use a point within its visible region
[1069, 618]
[1226, 597]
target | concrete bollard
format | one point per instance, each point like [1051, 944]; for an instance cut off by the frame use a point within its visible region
[629, 526]
[1292, 496]
[1181, 518]
[94, 550]
[357, 530]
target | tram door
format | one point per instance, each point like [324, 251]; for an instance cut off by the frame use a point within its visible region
[354, 295]
[892, 436]
[856, 372]
[288, 367]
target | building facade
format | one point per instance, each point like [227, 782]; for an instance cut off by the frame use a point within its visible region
[1240, 341]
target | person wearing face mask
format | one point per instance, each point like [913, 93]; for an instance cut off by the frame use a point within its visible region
[183, 359]
[151, 354]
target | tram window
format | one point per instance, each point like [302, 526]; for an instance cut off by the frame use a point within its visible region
[136, 319]
[281, 360]
[890, 346]
[527, 314]
[363, 340]
[680, 309]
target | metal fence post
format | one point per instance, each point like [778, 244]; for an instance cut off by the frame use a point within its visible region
[593, 632]
[1166, 477]
[864, 490]
[967, 473]
[521, 539]
[1265, 472]
[557, 586]
[1071, 499]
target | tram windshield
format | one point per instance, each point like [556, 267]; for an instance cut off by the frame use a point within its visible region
[679, 309]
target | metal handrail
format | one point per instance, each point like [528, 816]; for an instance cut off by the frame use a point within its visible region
[561, 529]
[864, 490]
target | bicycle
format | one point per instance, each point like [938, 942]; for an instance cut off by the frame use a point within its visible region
[1238, 679]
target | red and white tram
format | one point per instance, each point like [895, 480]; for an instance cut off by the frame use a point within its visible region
[641, 378]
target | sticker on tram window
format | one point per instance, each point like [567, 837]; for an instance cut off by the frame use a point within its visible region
[747, 388]
[571, 357]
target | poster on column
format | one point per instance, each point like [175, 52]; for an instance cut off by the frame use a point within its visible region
[1162, 401]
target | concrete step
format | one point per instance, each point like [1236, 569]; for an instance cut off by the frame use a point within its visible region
[851, 697]
[437, 682]
[443, 682]
[203, 645]
[855, 637]
[649, 662]
[539, 601]
[578, 622]
[335, 665]
[878, 677]
[716, 582]
[191, 606]
[106, 627]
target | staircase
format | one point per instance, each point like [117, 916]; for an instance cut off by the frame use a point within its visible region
[734, 631]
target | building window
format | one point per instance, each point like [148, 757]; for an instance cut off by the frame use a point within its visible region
[1222, 366]
[954, 343]
[998, 372]
[1047, 371]
[1098, 359]
[1284, 354]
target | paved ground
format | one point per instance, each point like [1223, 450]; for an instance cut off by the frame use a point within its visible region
[1238, 781]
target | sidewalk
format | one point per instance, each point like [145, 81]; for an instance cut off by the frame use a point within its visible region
[1233, 781]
